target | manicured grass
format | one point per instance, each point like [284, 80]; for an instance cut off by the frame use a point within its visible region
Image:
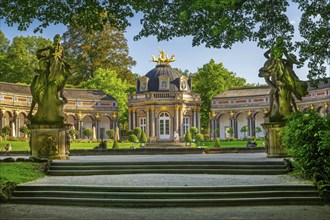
[24, 145]
[20, 172]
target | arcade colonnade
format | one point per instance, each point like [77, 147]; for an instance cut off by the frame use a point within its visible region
[246, 107]
[85, 109]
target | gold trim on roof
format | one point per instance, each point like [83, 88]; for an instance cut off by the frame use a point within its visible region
[162, 58]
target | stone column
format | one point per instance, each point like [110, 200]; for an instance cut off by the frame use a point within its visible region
[180, 121]
[129, 119]
[253, 126]
[153, 121]
[134, 118]
[213, 127]
[194, 116]
[147, 122]
[176, 119]
[199, 119]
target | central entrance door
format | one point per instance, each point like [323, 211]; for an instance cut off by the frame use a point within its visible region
[164, 126]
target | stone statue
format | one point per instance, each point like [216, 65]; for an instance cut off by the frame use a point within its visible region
[49, 81]
[285, 84]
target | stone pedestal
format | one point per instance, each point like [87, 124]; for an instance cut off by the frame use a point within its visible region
[274, 147]
[49, 141]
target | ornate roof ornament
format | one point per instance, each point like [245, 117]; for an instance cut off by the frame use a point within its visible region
[162, 58]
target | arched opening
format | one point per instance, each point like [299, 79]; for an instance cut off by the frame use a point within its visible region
[241, 122]
[224, 122]
[259, 119]
[86, 122]
[104, 125]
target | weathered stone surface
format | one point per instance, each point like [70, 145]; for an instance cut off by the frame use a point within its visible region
[274, 146]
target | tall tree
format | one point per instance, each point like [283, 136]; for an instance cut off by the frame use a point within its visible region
[21, 60]
[88, 52]
[215, 23]
[4, 43]
[211, 80]
[108, 81]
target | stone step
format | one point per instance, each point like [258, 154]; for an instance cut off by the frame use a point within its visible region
[166, 196]
[167, 171]
[170, 167]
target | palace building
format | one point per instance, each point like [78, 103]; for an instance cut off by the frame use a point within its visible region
[240, 107]
[164, 102]
[85, 109]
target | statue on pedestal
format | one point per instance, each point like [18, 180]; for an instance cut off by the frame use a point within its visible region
[285, 88]
[48, 131]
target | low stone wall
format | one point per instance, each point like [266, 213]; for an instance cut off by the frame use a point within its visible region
[151, 151]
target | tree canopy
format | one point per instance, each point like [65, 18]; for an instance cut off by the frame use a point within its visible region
[215, 23]
[18, 59]
[211, 80]
[108, 81]
[87, 52]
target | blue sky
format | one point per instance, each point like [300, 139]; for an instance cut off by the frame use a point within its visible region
[245, 59]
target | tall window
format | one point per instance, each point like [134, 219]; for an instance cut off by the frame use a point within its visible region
[185, 124]
[143, 124]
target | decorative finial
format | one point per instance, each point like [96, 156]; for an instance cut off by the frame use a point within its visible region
[162, 58]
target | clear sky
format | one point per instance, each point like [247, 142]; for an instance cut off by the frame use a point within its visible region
[245, 59]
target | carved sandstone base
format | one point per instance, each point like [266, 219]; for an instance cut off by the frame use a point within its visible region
[49, 141]
[274, 147]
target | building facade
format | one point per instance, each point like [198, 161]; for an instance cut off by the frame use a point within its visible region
[85, 109]
[246, 107]
[164, 102]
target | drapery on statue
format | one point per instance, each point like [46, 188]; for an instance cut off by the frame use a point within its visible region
[49, 81]
[285, 84]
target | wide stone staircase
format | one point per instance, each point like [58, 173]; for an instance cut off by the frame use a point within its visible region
[162, 195]
[167, 196]
[62, 168]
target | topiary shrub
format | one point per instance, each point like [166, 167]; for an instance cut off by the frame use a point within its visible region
[143, 138]
[88, 133]
[110, 133]
[306, 136]
[199, 138]
[73, 133]
[193, 131]
[5, 131]
[137, 131]
[25, 130]
[133, 139]
[187, 138]
[115, 144]
[216, 142]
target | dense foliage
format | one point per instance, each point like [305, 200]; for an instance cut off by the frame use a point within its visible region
[211, 80]
[217, 24]
[307, 138]
[199, 138]
[87, 52]
[18, 59]
[108, 81]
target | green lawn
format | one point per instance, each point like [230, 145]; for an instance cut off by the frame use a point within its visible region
[24, 145]
[20, 172]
